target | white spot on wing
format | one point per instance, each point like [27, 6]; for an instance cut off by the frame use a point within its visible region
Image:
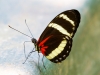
[67, 51]
[56, 60]
[60, 58]
[64, 55]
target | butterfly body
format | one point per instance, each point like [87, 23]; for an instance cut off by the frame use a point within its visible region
[56, 40]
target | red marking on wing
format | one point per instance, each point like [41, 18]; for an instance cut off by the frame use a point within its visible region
[42, 47]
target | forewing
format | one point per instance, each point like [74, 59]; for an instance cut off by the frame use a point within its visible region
[65, 23]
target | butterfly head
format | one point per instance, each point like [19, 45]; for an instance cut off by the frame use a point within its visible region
[34, 40]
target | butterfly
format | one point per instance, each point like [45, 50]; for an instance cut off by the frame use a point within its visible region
[55, 42]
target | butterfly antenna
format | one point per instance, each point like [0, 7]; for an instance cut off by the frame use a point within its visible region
[18, 31]
[28, 28]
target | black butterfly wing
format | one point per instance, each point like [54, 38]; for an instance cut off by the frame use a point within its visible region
[56, 40]
[73, 15]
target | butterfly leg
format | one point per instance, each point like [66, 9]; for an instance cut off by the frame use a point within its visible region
[43, 62]
[29, 55]
[24, 47]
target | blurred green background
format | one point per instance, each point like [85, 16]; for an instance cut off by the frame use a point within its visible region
[84, 58]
